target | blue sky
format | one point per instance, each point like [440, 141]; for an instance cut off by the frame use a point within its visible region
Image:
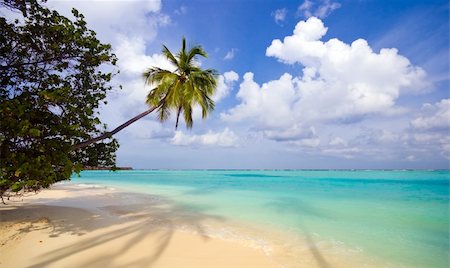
[304, 84]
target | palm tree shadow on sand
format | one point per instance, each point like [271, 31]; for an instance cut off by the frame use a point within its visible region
[298, 207]
[149, 223]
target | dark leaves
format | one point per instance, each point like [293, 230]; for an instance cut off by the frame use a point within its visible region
[50, 88]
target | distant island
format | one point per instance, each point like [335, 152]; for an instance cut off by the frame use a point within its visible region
[107, 168]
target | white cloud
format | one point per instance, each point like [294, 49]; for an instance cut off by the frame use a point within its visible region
[322, 10]
[133, 60]
[230, 54]
[279, 15]
[340, 85]
[303, 46]
[226, 138]
[268, 105]
[133, 18]
[433, 116]
[224, 85]
[231, 76]
[350, 80]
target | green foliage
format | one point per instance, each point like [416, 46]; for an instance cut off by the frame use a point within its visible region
[52, 81]
[183, 88]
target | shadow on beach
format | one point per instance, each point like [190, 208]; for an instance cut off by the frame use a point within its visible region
[298, 207]
[131, 218]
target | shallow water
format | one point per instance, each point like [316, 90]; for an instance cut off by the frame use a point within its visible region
[398, 217]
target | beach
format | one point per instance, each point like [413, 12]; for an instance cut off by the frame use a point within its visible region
[230, 219]
[209, 134]
[73, 226]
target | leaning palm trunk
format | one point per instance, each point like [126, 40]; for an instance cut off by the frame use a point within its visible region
[114, 131]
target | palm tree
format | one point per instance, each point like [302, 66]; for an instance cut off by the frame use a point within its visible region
[183, 88]
[179, 90]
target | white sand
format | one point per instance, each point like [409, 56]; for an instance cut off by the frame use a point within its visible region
[76, 226]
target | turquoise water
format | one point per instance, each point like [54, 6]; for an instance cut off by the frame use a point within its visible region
[401, 217]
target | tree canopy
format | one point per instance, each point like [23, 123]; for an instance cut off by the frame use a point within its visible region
[54, 75]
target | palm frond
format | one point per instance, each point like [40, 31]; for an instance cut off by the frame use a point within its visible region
[166, 52]
[187, 113]
[183, 45]
[163, 112]
[193, 52]
[156, 75]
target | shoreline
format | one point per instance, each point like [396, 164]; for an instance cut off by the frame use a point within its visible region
[79, 225]
[73, 226]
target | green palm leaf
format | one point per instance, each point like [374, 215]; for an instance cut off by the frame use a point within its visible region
[180, 90]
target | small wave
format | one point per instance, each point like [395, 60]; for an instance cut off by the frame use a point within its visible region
[87, 185]
[233, 235]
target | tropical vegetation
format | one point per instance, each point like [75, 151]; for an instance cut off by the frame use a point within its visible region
[52, 82]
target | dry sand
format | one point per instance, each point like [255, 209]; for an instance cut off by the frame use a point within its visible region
[80, 226]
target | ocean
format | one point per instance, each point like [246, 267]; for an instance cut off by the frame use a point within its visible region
[400, 218]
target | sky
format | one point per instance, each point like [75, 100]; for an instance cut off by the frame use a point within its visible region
[309, 84]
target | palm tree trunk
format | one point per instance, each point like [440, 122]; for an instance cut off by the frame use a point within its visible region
[114, 131]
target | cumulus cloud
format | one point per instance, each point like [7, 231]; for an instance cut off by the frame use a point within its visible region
[133, 60]
[341, 83]
[226, 138]
[133, 18]
[320, 9]
[225, 83]
[268, 105]
[279, 15]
